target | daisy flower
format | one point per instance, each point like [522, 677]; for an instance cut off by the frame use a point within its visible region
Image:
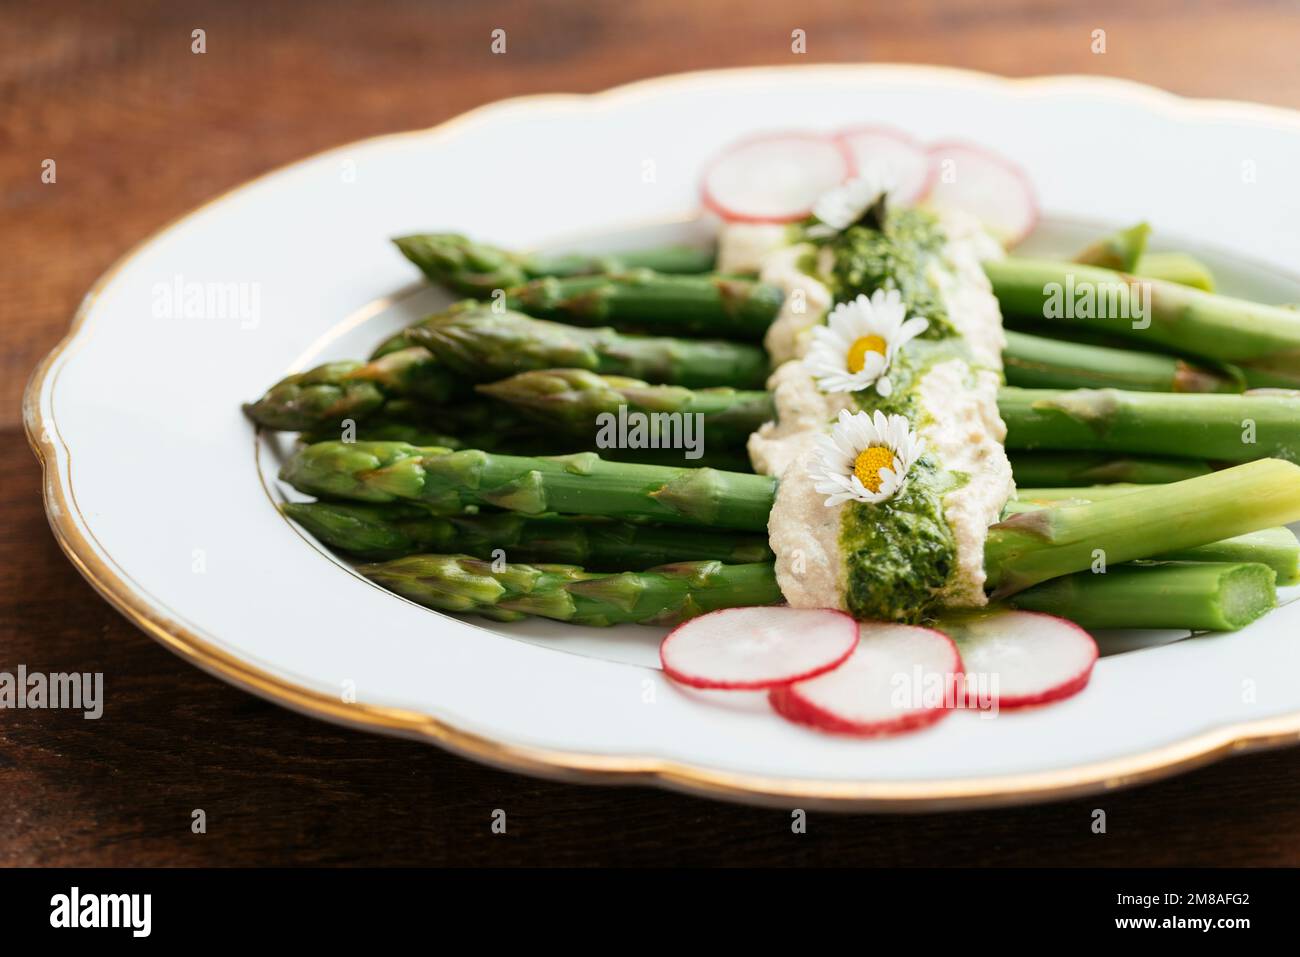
[856, 347]
[838, 209]
[865, 458]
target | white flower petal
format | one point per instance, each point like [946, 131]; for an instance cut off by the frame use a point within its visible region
[844, 205]
[913, 327]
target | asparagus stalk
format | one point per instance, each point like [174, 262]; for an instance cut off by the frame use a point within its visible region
[1034, 546]
[1178, 317]
[1282, 372]
[1088, 468]
[329, 394]
[1230, 428]
[573, 398]
[1182, 268]
[1213, 426]
[1080, 493]
[510, 441]
[1198, 597]
[1126, 251]
[393, 530]
[483, 344]
[1212, 596]
[477, 269]
[646, 301]
[1120, 250]
[1042, 363]
[387, 430]
[579, 484]
[1275, 547]
[664, 595]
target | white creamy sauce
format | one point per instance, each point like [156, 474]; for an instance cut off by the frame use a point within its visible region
[965, 434]
[807, 300]
[742, 247]
[962, 429]
[805, 537]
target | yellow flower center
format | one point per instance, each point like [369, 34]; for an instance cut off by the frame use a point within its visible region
[869, 462]
[858, 351]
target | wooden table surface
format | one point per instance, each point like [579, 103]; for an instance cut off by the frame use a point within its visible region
[142, 129]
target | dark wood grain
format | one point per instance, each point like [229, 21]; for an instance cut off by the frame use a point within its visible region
[142, 129]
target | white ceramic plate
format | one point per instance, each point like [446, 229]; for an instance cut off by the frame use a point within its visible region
[162, 496]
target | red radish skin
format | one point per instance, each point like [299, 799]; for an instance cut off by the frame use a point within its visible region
[733, 186]
[1011, 216]
[916, 176]
[1040, 628]
[754, 649]
[828, 703]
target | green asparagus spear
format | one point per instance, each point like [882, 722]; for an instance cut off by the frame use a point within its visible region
[1282, 372]
[1125, 251]
[1032, 547]
[1120, 250]
[1037, 362]
[1229, 428]
[483, 344]
[472, 421]
[393, 530]
[660, 596]
[648, 302]
[1050, 495]
[1212, 426]
[385, 430]
[580, 484]
[1089, 468]
[477, 269]
[1211, 596]
[1162, 313]
[329, 394]
[1193, 596]
[574, 398]
[1197, 597]
[1275, 547]
[1182, 268]
[509, 441]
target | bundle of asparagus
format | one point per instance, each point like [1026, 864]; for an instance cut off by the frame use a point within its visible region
[584, 337]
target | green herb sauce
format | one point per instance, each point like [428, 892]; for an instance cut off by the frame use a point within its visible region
[892, 249]
[905, 373]
[899, 554]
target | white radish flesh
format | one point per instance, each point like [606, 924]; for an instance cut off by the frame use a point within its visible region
[755, 648]
[900, 160]
[1028, 657]
[992, 189]
[774, 179]
[899, 678]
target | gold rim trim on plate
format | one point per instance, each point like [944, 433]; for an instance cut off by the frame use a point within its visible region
[112, 584]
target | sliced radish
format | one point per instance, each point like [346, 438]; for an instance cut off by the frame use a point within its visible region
[898, 678]
[774, 179]
[753, 648]
[992, 189]
[1035, 658]
[902, 160]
